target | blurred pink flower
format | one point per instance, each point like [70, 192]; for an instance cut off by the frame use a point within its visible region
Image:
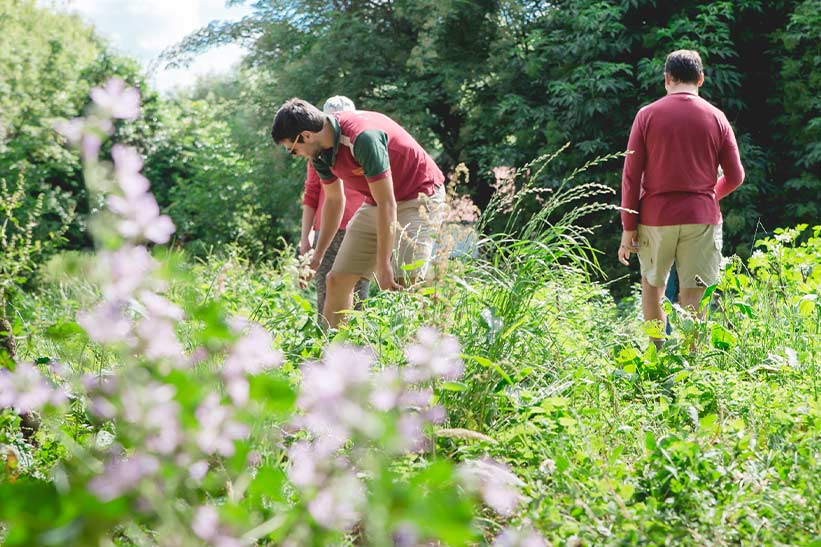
[72, 129]
[122, 475]
[411, 432]
[158, 306]
[387, 388]
[117, 100]
[527, 537]
[307, 467]
[159, 340]
[252, 353]
[125, 270]
[206, 525]
[433, 356]
[198, 470]
[206, 522]
[218, 431]
[152, 409]
[337, 506]
[106, 323]
[91, 146]
[25, 389]
[498, 485]
[127, 166]
[141, 218]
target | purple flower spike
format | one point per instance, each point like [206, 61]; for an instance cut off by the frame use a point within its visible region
[117, 100]
[127, 164]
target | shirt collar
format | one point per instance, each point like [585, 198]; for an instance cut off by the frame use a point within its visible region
[329, 156]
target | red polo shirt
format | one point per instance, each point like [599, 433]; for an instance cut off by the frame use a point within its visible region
[368, 146]
[314, 197]
[677, 144]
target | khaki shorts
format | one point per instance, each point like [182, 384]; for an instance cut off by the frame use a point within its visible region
[695, 248]
[418, 223]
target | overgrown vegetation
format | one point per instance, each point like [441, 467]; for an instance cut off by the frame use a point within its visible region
[513, 400]
[171, 387]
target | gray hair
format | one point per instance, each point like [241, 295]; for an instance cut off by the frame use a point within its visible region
[338, 103]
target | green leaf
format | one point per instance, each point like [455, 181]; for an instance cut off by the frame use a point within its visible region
[808, 304]
[721, 337]
[650, 441]
[487, 363]
[708, 295]
[65, 330]
[267, 484]
[275, 394]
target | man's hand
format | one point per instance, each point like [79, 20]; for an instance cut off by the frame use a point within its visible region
[628, 245]
[385, 280]
[307, 271]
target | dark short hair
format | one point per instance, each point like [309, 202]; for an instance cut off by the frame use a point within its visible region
[294, 117]
[684, 65]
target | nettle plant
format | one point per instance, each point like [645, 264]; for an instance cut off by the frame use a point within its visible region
[213, 439]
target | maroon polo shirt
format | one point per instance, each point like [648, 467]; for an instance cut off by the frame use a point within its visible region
[671, 177]
[369, 146]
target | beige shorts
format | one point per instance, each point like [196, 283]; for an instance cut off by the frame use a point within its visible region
[695, 248]
[418, 221]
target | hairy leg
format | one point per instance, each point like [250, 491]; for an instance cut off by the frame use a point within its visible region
[691, 298]
[651, 305]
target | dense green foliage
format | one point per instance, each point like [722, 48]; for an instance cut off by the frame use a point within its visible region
[500, 82]
[713, 440]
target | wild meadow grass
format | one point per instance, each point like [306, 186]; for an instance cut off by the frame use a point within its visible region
[513, 402]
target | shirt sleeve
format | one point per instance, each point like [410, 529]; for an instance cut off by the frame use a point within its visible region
[371, 152]
[311, 195]
[632, 174]
[323, 171]
[730, 161]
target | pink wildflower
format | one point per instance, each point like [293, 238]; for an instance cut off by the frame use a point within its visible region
[159, 339]
[498, 486]
[125, 270]
[117, 100]
[158, 306]
[433, 356]
[26, 390]
[127, 166]
[206, 525]
[218, 431]
[106, 323]
[252, 353]
[306, 465]
[519, 538]
[338, 505]
[72, 130]
[153, 409]
[122, 475]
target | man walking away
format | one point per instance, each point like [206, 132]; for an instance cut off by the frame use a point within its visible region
[670, 179]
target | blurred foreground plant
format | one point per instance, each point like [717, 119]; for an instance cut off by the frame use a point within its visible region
[198, 440]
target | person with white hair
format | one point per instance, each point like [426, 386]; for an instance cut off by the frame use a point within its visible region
[312, 201]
